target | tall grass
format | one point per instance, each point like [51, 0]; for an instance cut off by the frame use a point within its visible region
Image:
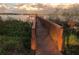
[15, 36]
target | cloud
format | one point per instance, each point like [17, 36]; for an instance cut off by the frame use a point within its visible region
[28, 7]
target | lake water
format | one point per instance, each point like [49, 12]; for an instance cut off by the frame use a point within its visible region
[18, 17]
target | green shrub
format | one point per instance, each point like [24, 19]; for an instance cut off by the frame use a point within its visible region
[15, 36]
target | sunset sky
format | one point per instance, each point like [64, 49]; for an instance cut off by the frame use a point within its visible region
[15, 6]
[27, 7]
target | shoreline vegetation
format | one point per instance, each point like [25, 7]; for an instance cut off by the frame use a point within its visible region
[15, 37]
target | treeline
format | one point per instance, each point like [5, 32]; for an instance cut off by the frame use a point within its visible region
[15, 36]
[66, 12]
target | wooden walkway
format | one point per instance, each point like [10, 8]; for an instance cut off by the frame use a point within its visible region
[45, 45]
